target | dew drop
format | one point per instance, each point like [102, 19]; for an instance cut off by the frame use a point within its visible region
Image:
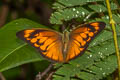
[76, 15]
[107, 17]
[100, 10]
[101, 56]
[104, 73]
[99, 53]
[90, 71]
[73, 15]
[78, 65]
[101, 69]
[78, 12]
[83, 13]
[68, 17]
[102, 39]
[70, 4]
[94, 43]
[74, 9]
[106, 48]
[108, 68]
[90, 55]
[88, 0]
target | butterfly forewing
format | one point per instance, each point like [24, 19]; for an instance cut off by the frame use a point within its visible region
[47, 42]
[81, 37]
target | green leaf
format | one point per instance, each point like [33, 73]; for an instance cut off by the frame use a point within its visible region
[60, 78]
[14, 52]
[103, 36]
[68, 14]
[67, 10]
[116, 18]
[99, 70]
[113, 6]
[69, 3]
[11, 73]
[58, 6]
[104, 68]
[98, 8]
[101, 8]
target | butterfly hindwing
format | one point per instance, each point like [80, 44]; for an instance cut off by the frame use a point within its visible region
[47, 42]
[81, 37]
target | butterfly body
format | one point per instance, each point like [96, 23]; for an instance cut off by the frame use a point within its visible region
[65, 39]
[61, 47]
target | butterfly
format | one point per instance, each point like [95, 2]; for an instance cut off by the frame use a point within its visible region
[61, 47]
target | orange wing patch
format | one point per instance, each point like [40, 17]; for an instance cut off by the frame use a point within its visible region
[52, 45]
[48, 43]
[96, 25]
[81, 37]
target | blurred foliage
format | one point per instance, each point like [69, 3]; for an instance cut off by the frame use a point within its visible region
[19, 61]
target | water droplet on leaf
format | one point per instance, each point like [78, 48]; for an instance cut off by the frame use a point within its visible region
[104, 73]
[78, 12]
[74, 9]
[90, 55]
[106, 48]
[100, 10]
[76, 15]
[83, 13]
[100, 68]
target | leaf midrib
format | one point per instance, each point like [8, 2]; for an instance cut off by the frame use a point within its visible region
[13, 51]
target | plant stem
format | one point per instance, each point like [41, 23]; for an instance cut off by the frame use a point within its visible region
[2, 77]
[40, 75]
[112, 22]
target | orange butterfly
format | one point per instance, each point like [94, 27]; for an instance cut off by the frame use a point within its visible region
[61, 47]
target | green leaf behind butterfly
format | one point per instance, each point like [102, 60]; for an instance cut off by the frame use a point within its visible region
[70, 9]
[14, 52]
